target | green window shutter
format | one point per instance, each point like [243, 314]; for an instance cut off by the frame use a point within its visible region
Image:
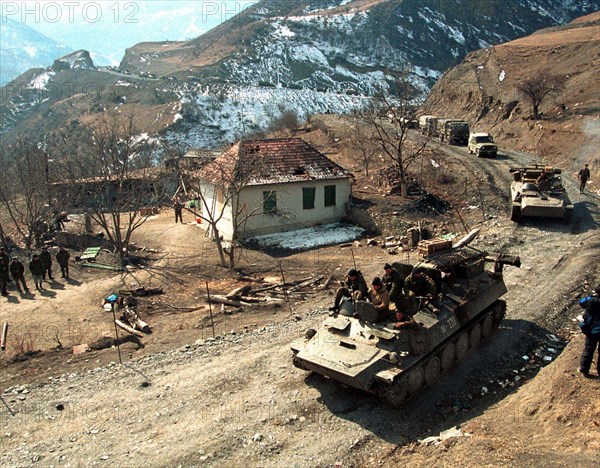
[269, 201]
[308, 197]
[330, 195]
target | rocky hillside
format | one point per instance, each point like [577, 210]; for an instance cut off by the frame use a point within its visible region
[23, 48]
[348, 46]
[304, 56]
[482, 89]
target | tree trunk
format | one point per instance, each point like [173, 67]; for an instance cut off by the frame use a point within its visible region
[219, 245]
[2, 236]
[535, 111]
[404, 189]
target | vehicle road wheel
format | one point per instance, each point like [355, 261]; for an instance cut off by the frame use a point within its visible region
[297, 363]
[462, 346]
[415, 380]
[487, 325]
[475, 336]
[515, 214]
[448, 356]
[499, 311]
[394, 394]
[432, 370]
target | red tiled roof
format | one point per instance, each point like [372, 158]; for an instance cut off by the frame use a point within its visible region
[260, 162]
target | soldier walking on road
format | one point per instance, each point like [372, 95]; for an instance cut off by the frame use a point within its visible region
[37, 269]
[4, 276]
[590, 327]
[46, 259]
[17, 271]
[583, 176]
[178, 207]
[62, 257]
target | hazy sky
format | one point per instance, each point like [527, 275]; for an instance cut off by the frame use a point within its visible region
[107, 27]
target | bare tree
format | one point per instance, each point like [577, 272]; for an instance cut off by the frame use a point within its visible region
[24, 179]
[219, 191]
[287, 120]
[361, 139]
[538, 87]
[113, 179]
[389, 121]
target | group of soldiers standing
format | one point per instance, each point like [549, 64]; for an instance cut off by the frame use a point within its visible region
[40, 267]
[388, 294]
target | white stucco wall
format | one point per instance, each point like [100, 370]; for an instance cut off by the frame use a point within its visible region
[290, 213]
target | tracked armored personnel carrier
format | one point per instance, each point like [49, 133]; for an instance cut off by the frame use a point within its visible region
[356, 349]
[537, 191]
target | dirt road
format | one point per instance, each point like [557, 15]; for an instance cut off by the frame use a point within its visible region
[239, 401]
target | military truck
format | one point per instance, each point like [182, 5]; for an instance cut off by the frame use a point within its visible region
[455, 132]
[537, 191]
[428, 125]
[482, 145]
[393, 361]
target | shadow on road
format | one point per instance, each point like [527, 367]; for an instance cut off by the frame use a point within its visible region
[47, 293]
[485, 377]
[12, 299]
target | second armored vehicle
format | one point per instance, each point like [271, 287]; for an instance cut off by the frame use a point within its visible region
[391, 360]
[537, 191]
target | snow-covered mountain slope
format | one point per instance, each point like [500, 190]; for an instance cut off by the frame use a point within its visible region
[304, 56]
[351, 45]
[22, 48]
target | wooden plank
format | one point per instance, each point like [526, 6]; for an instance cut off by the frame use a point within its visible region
[128, 329]
[101, 266]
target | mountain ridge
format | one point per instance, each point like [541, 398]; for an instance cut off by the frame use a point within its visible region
[305, 56]
[23, 48]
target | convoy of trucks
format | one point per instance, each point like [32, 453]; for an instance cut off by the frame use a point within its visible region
[452, 131]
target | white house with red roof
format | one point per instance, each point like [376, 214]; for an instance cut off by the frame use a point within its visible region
[265, 186]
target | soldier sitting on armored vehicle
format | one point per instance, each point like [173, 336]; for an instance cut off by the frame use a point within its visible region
[404, 320]
[420, 284]
[354, 286]
[393, 283]
[380, 298]
[543, 182]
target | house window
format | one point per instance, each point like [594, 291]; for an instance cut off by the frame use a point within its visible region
[308, 197]
[330, 195]
[269, 201]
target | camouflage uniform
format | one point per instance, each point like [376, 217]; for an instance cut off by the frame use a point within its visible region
[420, 285]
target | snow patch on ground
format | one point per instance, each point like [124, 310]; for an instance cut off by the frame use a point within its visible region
[302, 239]
[41, 81]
